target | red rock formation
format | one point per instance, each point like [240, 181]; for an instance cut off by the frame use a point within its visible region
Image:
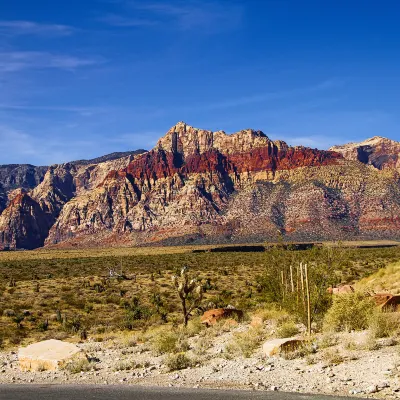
[198, 185]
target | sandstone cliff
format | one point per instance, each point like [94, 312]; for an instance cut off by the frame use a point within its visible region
[378, 151]
[28, 215]
[203, 186]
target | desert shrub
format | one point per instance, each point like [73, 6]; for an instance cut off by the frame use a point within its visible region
[371, 344]
[126, 365]
[194, 327]
[245, 343]
[352, 311]
[202, 345]
[277, 287]
[385, 324]
[303, 351]
[271, 312]
[135, 311]
[178, 361]
[287, 330]
[88, 308]
[72, 325]
[77, 366]
[328, 339]
[169, 342]
[43, 325]
[331, 357]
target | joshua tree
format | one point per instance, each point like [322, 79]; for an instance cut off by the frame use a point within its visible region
[190, 292]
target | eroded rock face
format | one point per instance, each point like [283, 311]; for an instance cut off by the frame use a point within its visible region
[203, 186]
[25, 223]
[186, 182]
[22, 224]
[380, 152]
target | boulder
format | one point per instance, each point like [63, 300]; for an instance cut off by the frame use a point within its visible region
[343, 289]
[211, 317]
[387, 301]
[278, 346]
[48, 355]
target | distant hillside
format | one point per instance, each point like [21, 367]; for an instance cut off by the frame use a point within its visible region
[109, 157]
[385, 280]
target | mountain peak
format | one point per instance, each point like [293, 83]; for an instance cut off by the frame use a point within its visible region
[378, 151]
[186, 139]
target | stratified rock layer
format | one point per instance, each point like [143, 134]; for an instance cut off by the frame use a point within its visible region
[203, 186]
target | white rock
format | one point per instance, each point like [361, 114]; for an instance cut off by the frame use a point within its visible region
[372, 389]
[48, 355]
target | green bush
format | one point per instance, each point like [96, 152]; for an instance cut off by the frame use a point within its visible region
[385, 325]
[178, 361]
[244, 343]
[287, 330]
[164, 342]
[77, 366]
[353, 311]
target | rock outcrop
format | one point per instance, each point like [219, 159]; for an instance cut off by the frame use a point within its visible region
[276, 347]
[186, 185]
[380, 152]
[29, 215]
[49, 355]
[202, 186]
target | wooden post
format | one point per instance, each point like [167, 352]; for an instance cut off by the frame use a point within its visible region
[291, 278]
[302, 286]
[297, 286]
[283, 284]
[308, 300]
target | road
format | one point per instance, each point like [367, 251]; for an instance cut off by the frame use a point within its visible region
[87, 392]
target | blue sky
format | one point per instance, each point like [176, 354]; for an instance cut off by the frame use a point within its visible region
[79, 79]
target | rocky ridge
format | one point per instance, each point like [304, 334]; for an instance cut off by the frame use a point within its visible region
[29, 214]
[203, 186]
[379, 152]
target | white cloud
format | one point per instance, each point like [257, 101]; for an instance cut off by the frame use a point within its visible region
[14, 61]
[18, 27]
[202, 16]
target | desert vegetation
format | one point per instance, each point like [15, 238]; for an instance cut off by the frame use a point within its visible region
[137, 315]
[71, 294]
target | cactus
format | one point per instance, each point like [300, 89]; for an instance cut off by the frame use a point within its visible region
[190, 292]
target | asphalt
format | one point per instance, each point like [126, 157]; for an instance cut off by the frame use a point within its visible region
[75, 392]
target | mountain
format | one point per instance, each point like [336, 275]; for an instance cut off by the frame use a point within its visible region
[380, 152]
[199, 186]
[18, 176]
[28, 215]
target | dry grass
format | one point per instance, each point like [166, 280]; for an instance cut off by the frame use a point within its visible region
[66, 288]
[385, 280]
[245, 343]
